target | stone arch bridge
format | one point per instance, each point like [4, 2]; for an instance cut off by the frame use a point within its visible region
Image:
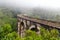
[28, 23]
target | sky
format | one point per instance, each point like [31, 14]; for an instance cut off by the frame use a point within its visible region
[53, 4]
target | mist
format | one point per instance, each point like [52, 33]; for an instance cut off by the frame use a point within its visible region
[47, 4]
[44, 9]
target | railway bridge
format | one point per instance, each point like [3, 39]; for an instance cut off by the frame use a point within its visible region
[34, 24]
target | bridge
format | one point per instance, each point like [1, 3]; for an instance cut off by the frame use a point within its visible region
[34, 24]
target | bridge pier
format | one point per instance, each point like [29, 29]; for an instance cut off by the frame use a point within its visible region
[19, 28]
[38, 27]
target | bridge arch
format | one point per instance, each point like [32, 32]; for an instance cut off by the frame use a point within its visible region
[34, 28]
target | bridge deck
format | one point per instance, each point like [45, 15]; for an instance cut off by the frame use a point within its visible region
[45, 22]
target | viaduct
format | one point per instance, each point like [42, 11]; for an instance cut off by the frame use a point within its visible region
[28, 23]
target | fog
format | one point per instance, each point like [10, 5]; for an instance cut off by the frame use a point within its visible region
[53, 4]
[43, 8]
[45, 4]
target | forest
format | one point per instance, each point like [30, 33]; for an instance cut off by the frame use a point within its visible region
[8, 28]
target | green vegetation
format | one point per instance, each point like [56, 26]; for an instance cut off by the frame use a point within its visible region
[8, 21]
[8, 29]
[44, 35]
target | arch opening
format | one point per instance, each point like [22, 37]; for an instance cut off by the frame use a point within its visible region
[34, 28]
[22, 25]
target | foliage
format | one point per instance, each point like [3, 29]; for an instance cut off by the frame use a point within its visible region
[7, 23]
[44, 35]
[8, 29]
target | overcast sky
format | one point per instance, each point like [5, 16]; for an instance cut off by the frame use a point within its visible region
[32, 3]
